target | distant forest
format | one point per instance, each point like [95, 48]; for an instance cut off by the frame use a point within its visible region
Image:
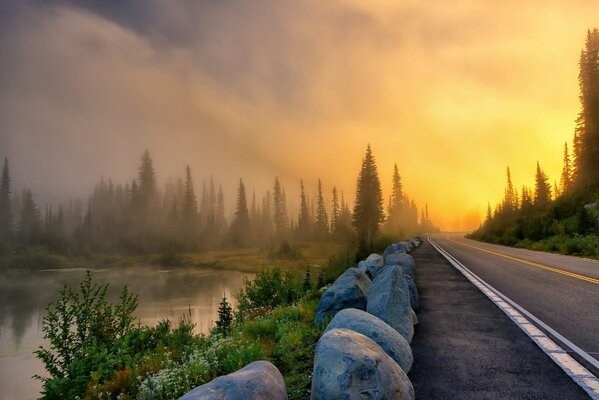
[138, 217]
[560, 217]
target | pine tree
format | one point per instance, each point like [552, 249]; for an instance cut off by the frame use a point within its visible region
[280, 216]
[489, 216]
[220, 222]
[322, 222]
[6, 222]
[526, 202]
[368, 206]
[240, 227]
[147, 182]
[303, 219]
[566, 178]
[224, 324]
[335, 211]
[396, 202]
[29, 228]
[510, 202]
[586, 134]
[190, 208]
[542, 188]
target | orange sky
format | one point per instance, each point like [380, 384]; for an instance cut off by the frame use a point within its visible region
[452, 92]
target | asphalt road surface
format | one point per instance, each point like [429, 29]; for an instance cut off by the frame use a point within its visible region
[465, 347]
[561, 291]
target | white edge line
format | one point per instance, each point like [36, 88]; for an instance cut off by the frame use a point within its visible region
[578, 373]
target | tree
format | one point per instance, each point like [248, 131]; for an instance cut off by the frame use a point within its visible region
[147, 182]
[224, 324]
[566, 178]
[280, 216]
[240, 227]
[510, 201]
[586, 134]
[6, 223]
[190, 207]
[335, 211]
[303, 219]
[396, 203]
[322, 221]
[368, 206]
[29, 228]
[542, 188]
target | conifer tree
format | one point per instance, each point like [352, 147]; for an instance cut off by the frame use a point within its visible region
[190, 207]
[280, 216]
[303, 219]
[6, 222]
[335, 211]
[368, 206]
[322, 222]
[147, 182]
[542, 188]
[396, 202]
[566, 178]
[29, 228]
[586, 134]
[510, 202]
[240, 227]
[224, 324]
[526, 202]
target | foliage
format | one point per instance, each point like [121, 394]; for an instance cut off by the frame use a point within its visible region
[368, 207]
[224, 324]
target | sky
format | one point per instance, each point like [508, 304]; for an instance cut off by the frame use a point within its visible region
[453, 92]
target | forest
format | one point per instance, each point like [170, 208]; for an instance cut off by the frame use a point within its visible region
[139, 217]
[560, 217]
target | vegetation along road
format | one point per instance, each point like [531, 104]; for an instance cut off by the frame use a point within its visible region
[560, 291]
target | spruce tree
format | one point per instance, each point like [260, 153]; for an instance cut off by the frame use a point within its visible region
[29, 228]
[542, 188]
[368, 206]
[396, 202]
[6, 222]
[566, 178]
[190, 208]
[335, 211]
[224, 324]
[303, 219]
[240, 227]
[586, 134]
[322, 222]
[147, 182]
[280, 216]
[510, 202]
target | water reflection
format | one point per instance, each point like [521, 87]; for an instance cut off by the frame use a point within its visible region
[170, 294]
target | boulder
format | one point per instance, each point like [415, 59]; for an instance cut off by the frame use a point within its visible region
[409, 245]
[372, 264]
[414, 298]
[395, 248]
[374, 328]
[259, 380]
[406, 261]
[348, 365]
[413, 243]
[350, 290]
[414, 317]
[389, 300]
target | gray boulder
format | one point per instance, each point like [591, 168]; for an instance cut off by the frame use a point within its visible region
[406, 261]
[395, 248]
[414, 317]
[348, 365]
[414, 298]
[372, 264]
[372, 327]
[259, 380]
[350, 290]
[389, 300]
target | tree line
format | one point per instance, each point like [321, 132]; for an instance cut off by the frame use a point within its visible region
[567, 208]
[138, 217]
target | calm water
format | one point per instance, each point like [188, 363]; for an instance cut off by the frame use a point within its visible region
[162, 294]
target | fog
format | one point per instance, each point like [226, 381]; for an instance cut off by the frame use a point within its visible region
[451, 92]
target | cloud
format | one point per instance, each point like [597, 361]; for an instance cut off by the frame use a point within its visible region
[255, 89]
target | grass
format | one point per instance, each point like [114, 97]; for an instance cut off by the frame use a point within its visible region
[250, 259]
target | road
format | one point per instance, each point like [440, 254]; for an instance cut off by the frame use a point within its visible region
[561, 291]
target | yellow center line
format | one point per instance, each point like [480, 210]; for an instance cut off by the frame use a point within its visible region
[531, 263]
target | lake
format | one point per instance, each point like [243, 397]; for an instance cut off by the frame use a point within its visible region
[163, 293]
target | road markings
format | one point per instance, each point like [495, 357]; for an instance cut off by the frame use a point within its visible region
[578, 373]
[531, 263]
